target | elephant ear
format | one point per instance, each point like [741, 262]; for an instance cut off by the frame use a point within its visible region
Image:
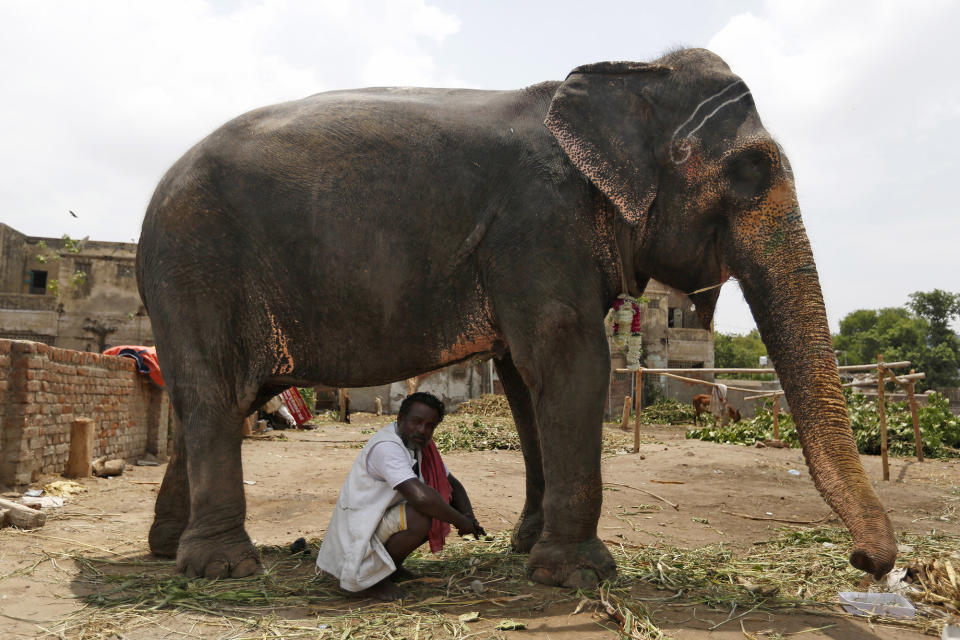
[604, 124]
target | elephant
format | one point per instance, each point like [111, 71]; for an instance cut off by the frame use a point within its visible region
[358, 237]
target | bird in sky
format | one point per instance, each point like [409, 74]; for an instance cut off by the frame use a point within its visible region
[73, 214]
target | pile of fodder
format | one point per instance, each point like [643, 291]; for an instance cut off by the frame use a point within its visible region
[467, 432]
[800, 569]
[481, 588]
[490, 405]
[667, 412]
[939, 428]
[748, 432]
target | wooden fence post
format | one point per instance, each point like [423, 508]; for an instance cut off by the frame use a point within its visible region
[625, 420]
[638, 391]
[79, 464]
[882, 412]
[918, 441]
[343, 400]
[776, 417]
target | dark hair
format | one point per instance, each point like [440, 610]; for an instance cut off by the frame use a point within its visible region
[422, 397]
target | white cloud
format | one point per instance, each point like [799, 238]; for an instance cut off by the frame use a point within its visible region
[101, 97]
[865, 100]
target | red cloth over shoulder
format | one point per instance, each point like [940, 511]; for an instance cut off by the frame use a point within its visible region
[433, 475]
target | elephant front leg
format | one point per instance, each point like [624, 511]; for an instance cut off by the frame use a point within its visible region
[215, 543]
[530, 525]
[569, 413]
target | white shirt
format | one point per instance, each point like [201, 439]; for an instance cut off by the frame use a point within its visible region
[388, 462]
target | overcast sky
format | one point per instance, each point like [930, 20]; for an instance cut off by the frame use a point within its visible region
[100, 98]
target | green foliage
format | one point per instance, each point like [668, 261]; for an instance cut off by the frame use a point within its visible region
[71, 245]
[749, 432]
[939, 429]
[653, 391]
[75, 281]
[938, 308]
[667, 412]
[920, 334]
[477, 436]
[731, 350]
[309, 397]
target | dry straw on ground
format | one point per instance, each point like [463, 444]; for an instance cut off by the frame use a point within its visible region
[798, 571]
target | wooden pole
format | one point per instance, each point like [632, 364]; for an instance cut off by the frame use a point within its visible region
[882, 411]
[79, 463]
[852, 367]
[776, 418]
[918, 441]
[625, 420]
[342, 402]
[637, 389]
[636, 420]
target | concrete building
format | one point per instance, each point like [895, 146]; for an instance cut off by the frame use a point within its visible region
[672, 338]
[72, 294]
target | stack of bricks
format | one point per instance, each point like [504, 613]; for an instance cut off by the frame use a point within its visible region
[43, 389]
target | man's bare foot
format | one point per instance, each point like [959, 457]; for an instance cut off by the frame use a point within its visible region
[402, 575]
[384, 590]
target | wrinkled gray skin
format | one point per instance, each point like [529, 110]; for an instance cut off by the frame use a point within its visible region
[359, 237]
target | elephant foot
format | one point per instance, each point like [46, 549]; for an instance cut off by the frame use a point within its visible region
[527, 532]
[225, 555]
[576, 565]
[164, 537]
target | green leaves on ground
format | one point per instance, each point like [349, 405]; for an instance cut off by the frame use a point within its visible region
[667, 412]
[939, 429]
[476, 433]
[749, 432]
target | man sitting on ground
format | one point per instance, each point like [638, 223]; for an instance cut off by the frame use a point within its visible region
[397, 495]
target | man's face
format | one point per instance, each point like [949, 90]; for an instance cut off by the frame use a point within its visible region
[416, 428]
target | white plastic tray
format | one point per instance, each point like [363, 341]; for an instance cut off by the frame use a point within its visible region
[889, 605]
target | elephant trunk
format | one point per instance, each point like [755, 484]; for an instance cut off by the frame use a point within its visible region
[783, 290]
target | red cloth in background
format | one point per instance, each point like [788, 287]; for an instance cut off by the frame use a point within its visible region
[433, 474]
[146, 358]
[294, 401]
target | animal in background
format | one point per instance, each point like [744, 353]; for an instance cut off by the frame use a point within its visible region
[701, 405]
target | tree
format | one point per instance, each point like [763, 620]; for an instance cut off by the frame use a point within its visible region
[920, 334]
[731, 350]
[937, 307]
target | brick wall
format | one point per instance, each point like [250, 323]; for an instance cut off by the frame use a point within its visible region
[43, 389]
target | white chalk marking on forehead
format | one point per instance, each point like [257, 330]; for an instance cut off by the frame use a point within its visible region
[712, 113]
[684, 145]
[703, 102]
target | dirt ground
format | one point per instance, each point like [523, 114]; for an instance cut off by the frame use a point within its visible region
[293, 485]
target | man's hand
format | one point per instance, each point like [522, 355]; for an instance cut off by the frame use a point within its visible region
[472, 528]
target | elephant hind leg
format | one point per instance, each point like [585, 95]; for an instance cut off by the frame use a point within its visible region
[527, 531]
[172, 510]
[204, 481]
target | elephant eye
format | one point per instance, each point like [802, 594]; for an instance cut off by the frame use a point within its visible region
[749, 173]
